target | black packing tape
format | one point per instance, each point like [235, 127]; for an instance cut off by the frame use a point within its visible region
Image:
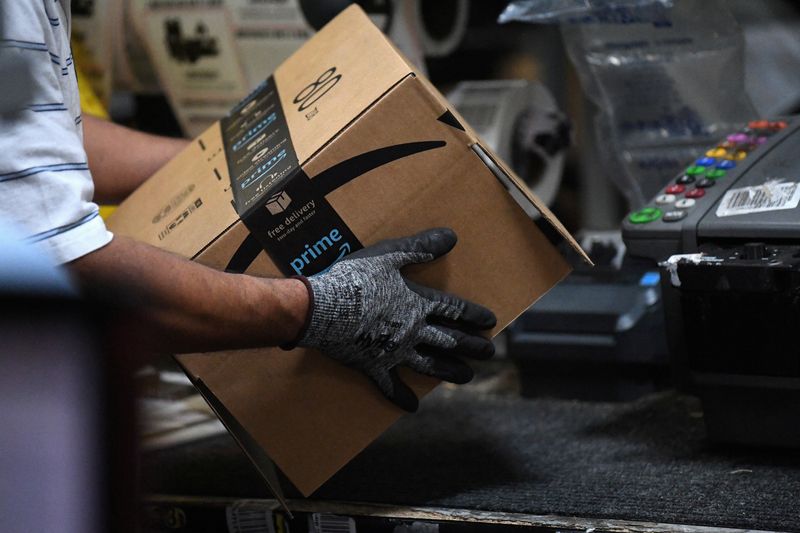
[300, 230]
[286, 212]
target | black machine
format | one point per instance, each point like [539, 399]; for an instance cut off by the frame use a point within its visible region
[726, 233]
[598, 335]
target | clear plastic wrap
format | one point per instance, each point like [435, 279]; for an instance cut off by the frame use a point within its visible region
[584, 11]
[667, 81]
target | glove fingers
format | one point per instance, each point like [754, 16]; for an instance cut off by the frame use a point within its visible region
[396, 391]
[436, 337]
[419, 248]
[441, 366]
[465, 345]
[462, 313]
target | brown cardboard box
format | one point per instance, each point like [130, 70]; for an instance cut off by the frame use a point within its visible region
[346, 140]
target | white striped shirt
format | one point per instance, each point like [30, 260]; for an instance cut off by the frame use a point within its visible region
[45, 184]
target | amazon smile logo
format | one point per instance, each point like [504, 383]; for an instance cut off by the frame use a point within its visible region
[296, 226]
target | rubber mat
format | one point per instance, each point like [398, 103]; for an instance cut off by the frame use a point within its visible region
[647, 460]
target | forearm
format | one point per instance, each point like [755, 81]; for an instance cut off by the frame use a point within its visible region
[189, 307]
[121, 158]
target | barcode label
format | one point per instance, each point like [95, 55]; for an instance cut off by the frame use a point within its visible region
[772, 196]
[330, 523]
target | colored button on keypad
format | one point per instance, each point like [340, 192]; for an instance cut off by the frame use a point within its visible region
[685, 203]
[685, 180]
[696, 193]
[738, 155]
[694, 170]
[705, 183]
[674, 216]
[705, 161]
[675, 189]
[726, 165]
[758, 124]
[643, 216]
[665, 198]
[715, 173]
[716, 152]
[737, 138]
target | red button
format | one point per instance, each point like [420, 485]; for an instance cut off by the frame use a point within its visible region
[778, 125]
[758, 124]
[695, 193]
[675, 189]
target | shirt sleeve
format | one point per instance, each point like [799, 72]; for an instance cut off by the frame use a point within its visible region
[45, 184]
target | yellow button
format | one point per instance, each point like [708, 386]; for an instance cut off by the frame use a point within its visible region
[739, 155]
[716, 152]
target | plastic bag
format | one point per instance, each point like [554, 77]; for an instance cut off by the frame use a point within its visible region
[666, 85]
[585, 11]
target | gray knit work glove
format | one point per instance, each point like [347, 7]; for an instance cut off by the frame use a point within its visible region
[367, 316]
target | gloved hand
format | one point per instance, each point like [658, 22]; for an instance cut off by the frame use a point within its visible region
[367, 316]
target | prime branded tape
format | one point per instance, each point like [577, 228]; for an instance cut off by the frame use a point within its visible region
[285, 210]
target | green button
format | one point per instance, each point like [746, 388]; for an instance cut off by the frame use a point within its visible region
[643, 216]
[694, 170]
[715, 173]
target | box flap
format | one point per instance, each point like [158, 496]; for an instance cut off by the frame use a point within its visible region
[513, 179]
[248, 445]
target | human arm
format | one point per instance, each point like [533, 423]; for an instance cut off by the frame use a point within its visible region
[121, 159]
[362, 312]
[187, 307]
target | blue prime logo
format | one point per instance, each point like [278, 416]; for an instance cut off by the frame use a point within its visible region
[315, 250]
[250, 134]
[263, 170]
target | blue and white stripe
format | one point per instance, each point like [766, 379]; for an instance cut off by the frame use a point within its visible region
[25, 45]
[30, 171]
[62, 229]
[43, 108]
[54, 21]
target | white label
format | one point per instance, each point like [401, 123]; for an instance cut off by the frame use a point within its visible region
[331, 523]
[772, 196]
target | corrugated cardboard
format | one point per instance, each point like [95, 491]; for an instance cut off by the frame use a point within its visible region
[310, 414]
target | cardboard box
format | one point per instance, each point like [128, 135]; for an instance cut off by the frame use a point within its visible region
[345, 145]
